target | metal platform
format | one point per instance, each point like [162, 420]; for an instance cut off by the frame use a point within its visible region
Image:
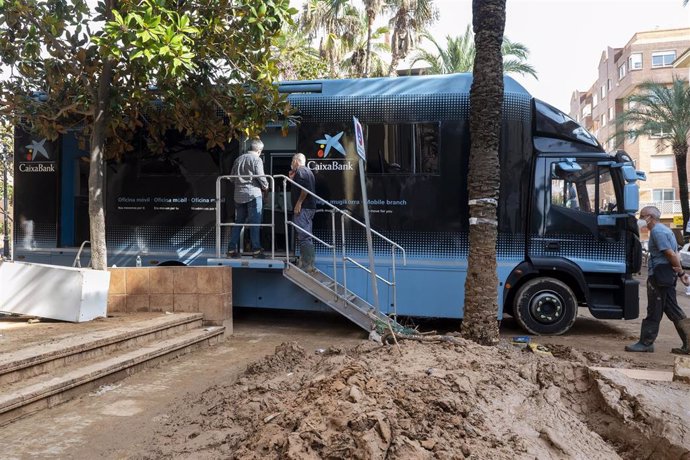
[249, 262]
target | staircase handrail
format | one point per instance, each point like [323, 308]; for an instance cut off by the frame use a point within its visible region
[341, 212]
[220, 224]
[77, 259]
[345, 258]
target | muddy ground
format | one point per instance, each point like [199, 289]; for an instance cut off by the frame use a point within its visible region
[302, 385]
[423, 400]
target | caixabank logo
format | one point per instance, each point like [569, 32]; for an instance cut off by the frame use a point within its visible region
[36, 158]
[326, 155]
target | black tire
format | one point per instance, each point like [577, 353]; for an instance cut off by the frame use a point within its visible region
[545, 306]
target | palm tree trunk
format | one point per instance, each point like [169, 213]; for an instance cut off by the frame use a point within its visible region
[99, 253]
[370, 23]
[486, 99]
[395, 56]
[681, 153]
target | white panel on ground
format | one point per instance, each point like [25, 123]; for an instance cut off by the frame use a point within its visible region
[55, 292]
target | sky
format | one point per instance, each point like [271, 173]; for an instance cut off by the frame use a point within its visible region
[567, 37]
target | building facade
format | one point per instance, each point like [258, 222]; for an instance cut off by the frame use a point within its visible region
[648, 56]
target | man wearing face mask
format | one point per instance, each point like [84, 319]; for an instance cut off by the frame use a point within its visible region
[663, 270]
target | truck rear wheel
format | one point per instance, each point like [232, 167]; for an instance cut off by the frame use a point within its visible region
[545, 306]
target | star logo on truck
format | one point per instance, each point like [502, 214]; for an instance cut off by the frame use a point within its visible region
[329, 142]
[35, 149]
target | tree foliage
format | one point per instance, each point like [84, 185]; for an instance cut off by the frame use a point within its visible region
[367, 54]
[459, 52]
[656, 109]
[333, 24]
[296, 59]
[201, 58]
[203, 67]
[409, 19]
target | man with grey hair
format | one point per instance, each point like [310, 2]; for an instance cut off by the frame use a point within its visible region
[248, 197]
[662, 272]
[303, 209]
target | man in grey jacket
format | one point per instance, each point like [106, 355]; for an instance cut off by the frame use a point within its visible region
[248, 197]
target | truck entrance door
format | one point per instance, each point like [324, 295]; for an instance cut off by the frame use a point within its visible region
[578, 196]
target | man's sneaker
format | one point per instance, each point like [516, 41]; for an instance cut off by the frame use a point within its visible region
[233, 254]
[259, 254]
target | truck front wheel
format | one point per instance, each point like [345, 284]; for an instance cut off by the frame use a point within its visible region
[545, 306]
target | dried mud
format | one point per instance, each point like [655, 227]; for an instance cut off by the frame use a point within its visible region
[445, 400]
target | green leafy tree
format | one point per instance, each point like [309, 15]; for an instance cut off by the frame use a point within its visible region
[157, 64]
[368, 51]
[296, 59]
[459, 53]
[372, 9]
[486, 105]
[334, 23]
[409, 19]
[658, 108]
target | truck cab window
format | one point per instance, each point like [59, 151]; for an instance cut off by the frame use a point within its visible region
[402, 148]
[589, 190]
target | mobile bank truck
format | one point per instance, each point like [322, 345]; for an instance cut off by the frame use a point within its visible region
[567, 235]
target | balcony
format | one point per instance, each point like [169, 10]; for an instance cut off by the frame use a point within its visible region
[668, 208]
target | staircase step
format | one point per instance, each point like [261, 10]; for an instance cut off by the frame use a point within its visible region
[38, 359]
[45, 391]
[356, 310]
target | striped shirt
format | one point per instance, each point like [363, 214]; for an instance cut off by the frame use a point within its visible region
[248, 188]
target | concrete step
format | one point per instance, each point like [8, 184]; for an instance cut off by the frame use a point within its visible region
[45, 357]
[47, 390]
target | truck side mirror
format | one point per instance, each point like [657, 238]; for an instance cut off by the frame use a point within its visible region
[631, 197]
[630, 174]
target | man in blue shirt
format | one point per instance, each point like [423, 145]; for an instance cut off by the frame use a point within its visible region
[663, 268]
[248, 196]
[303, 209]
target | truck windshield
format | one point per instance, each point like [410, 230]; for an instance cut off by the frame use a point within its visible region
[551, 121]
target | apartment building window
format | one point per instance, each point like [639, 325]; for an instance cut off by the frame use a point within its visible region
[660, 134]
[612, 113]
[661, 163]
[663, 194]
[635, 61]
[621, 71]
[603, 120]
[595, 100]
[663, 58]
[602, 91]
[608, 85]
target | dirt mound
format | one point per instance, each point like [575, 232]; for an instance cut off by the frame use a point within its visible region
[453, 399]
[286, 356]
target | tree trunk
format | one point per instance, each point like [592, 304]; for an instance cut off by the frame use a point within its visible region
[99, 252]
[480, 322]
[395, 56]
[681, 153]
[370, 23]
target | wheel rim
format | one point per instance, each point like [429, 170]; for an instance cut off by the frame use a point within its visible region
[547, 307]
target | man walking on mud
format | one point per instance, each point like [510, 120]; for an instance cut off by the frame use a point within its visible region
[663, 270]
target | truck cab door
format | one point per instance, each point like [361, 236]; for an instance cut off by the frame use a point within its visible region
[577, 197]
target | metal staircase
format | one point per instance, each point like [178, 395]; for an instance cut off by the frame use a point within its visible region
[331, 290]
[336, 296]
